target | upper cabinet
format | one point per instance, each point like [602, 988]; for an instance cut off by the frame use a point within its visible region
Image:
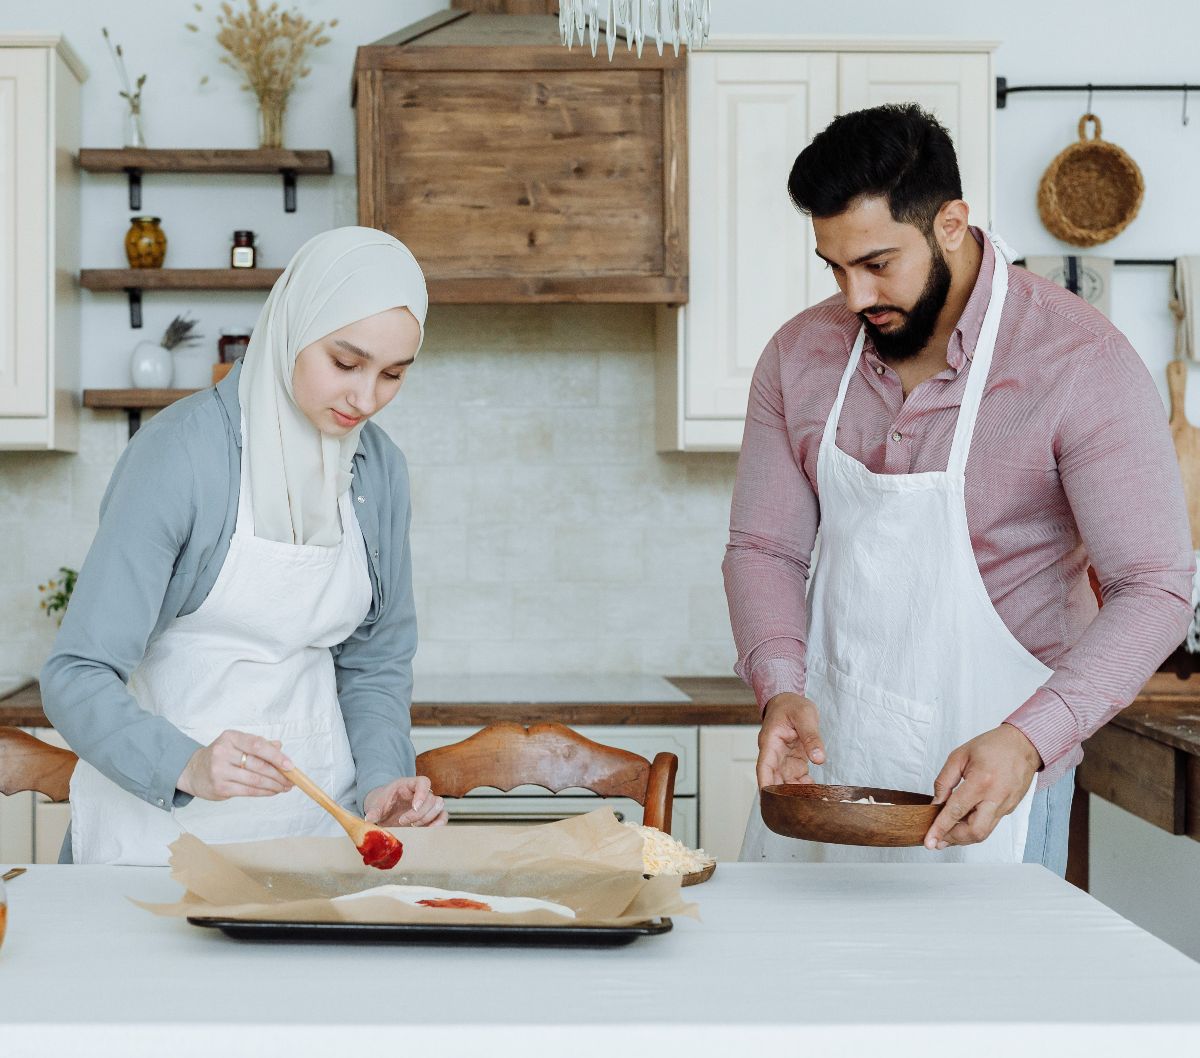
[751, 109]
[519, 171]
[39, 243]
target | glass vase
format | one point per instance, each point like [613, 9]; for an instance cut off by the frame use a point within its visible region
[271, 110]
[134, 136]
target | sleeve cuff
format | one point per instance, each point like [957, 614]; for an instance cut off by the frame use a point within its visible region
[774, 676]
[1048, 722]
[164, 792]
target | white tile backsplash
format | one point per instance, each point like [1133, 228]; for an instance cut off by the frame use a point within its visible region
[548, 535]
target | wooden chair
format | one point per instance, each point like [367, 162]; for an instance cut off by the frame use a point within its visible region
[28, 763]
[506, 755]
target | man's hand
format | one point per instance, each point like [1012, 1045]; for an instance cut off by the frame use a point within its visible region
[981, 783]
[236, 765]
[790, 737]
[408, 802]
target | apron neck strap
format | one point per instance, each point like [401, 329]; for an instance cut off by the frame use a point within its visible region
[981, 363]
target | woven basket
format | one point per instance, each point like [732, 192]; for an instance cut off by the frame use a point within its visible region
[1091, 191]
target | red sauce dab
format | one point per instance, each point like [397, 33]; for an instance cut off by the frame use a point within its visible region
[458, 903]
[381, 849]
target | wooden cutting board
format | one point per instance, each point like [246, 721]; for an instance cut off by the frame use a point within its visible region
[1187, 443]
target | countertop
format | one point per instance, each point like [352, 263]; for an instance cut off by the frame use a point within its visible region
[1167, 710]
[478, 700]
[835, 960]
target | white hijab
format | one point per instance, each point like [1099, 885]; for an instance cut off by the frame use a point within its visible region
[296, 473]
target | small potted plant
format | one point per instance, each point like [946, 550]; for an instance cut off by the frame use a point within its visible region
[57, 593]
[153, 365]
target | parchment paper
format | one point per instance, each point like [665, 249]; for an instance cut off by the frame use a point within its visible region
[590, 863]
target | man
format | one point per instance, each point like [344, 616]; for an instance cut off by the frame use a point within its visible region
[968, 438]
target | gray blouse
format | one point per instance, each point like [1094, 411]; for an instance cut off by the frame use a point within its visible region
[165, 524]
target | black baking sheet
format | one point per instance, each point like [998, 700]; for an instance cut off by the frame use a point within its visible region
[434, 933]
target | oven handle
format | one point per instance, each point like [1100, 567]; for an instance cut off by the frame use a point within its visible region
[520, 817]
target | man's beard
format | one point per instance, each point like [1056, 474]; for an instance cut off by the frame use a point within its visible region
[905, 341]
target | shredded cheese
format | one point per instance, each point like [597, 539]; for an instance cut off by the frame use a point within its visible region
[868, 800]
[662, 854]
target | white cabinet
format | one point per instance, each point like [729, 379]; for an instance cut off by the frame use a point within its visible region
[728, 756]
[39, 243]
[752, 107]
[958, 89]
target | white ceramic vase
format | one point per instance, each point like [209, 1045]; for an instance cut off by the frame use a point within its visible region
[151, 366]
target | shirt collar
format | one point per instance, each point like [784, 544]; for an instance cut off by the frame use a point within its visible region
[966, 335]
[227, 393]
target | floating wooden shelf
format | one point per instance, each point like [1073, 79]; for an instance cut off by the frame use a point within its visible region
[179, 278]
[133, 401]
[124, 399]
[198, 160]
[138, 160]
[134, 280]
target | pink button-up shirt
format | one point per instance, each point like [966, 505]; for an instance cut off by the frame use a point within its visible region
[1071, 465]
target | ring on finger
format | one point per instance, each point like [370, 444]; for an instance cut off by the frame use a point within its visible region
[242, 762]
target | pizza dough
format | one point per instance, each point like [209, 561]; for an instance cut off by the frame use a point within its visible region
[415, 894]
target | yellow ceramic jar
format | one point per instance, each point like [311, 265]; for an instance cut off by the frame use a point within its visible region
[145, 243]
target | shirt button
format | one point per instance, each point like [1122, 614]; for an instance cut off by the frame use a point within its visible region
[161, 802]
[360, 499]
[879, 369]
[375, 553]
[896, 435]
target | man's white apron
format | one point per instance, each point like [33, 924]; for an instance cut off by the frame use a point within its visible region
[907, 658]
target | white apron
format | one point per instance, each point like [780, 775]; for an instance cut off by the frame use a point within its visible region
[907, 657]
[255, 658]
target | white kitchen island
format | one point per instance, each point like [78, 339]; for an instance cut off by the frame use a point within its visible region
[826, 961]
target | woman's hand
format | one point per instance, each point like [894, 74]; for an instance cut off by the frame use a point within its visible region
[236, 765]
[408, 802]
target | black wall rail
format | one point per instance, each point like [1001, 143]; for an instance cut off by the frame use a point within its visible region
[1004, 89]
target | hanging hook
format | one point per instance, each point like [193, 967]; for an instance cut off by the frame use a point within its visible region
[1089, 102]
[1185, 113]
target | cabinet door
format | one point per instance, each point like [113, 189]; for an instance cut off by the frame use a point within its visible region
[727, 787]
[956, 88]
[752, 262]
[24, 231]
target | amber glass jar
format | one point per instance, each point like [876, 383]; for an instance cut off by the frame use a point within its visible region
[145, 243]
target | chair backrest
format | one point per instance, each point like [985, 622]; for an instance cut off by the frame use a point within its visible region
[28, 763]
[506, 755]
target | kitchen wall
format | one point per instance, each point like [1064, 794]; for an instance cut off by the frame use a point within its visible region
[548, 535]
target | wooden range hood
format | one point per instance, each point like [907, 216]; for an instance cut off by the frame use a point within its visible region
[518, 171]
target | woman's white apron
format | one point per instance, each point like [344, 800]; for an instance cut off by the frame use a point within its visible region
[254, 657]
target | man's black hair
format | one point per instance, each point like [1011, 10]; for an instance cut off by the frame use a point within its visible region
[898, 151]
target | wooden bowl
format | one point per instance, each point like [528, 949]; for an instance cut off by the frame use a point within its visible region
[702, 875]
[818, 813]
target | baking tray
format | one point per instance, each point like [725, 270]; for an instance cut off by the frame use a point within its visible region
[465, 933]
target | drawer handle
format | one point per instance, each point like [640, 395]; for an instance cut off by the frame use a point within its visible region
[520, 817]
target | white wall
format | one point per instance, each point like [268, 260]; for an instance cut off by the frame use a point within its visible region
[549, 536]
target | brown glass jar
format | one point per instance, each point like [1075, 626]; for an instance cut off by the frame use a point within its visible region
[232, 344]
[145, 243]
[242, 253]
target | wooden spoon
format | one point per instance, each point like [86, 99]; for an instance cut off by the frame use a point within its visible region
[378, 847]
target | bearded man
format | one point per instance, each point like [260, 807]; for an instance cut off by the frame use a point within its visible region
[968, 439]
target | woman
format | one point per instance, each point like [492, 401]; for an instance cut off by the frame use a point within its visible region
[247, 602]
